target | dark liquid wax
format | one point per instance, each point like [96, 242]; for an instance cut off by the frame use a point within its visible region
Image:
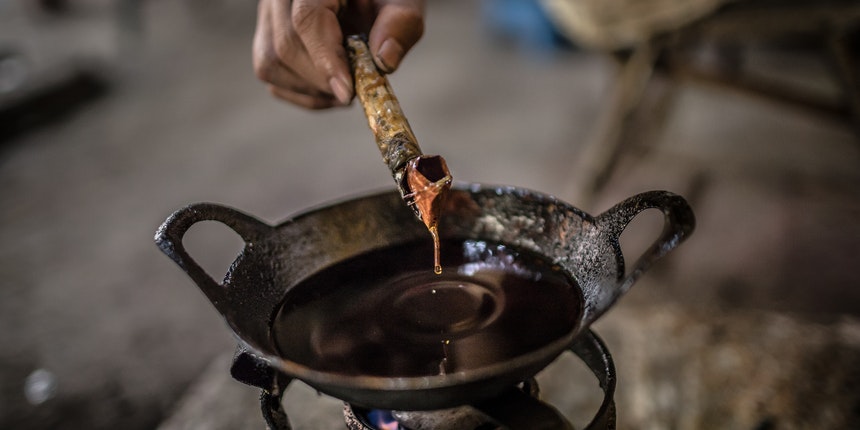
[385, 313]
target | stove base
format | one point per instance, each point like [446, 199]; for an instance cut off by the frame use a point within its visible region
[518, 408]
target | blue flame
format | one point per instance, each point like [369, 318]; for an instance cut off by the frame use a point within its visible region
[383, 420]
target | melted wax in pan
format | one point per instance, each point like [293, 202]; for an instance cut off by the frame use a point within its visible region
[384, 314]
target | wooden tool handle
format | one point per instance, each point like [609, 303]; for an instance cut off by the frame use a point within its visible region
[394, 137]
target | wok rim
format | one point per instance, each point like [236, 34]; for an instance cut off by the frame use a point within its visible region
[510, 368]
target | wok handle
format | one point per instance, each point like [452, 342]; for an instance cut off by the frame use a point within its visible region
[169, 236]
[679, 223]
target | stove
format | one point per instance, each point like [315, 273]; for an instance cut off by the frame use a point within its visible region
[517, 408]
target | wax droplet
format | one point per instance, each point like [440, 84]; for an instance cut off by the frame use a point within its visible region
[437, 268]
[443, 365]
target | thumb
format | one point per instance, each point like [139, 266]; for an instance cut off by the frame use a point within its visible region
[398, 26]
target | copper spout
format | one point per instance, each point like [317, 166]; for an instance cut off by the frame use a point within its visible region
[428, 178]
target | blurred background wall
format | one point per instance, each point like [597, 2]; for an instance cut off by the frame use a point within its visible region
[116, 113]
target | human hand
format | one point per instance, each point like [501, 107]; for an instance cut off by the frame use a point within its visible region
[298, 45]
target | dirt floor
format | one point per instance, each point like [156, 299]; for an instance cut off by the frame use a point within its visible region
[115, 332]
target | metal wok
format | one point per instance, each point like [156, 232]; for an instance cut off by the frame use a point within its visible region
[277, 258]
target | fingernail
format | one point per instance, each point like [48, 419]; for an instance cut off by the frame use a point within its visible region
[342, 90]
[390, 54]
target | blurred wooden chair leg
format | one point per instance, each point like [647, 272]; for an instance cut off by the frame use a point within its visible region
[631, 114]
[843, 47]
[612, 135]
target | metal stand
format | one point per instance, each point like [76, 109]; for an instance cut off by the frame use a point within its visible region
[251, 370]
